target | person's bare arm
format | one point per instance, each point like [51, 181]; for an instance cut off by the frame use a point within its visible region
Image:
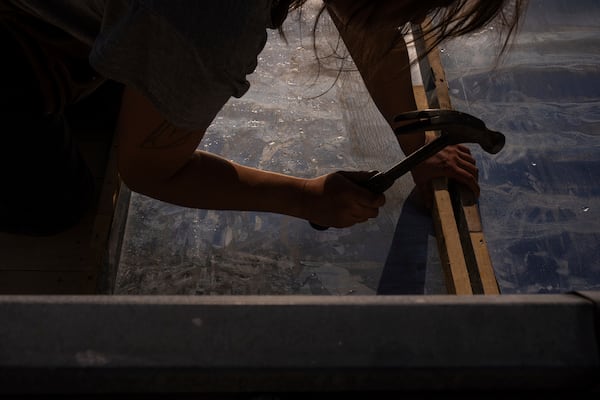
[385, 69]
[160, 160]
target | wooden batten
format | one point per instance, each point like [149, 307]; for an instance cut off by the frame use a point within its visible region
[461, 242]
[448, 238]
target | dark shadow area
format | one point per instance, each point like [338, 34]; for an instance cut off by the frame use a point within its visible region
[531, 394]
[405, 268]
[98, 112]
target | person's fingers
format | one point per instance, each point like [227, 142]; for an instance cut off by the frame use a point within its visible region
[356, 217]
[372, 200]
[467, 157]
[364, 196]
[467, 172]
[469, 167]
[463, 148]
[454, 162]
[461, 166]
[369, 200]
[363, 213]
[370, 212]
[467, 178]
[342, 201]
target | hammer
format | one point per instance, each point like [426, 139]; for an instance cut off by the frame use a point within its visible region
[455, 126]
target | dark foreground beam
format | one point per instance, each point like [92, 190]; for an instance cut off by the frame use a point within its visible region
[114, 344]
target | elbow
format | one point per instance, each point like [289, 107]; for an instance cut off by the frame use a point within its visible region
[143, 177]
[131, 180]
[134, 178]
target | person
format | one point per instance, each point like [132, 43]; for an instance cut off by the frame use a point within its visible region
[179, 62]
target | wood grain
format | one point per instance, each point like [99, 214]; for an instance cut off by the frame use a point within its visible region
[468, 219]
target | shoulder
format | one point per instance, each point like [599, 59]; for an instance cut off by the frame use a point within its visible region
[223, 17]
[226, 30]
[185, 56]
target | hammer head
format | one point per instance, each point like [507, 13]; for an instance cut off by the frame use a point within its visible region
[456, 127]
[490, 141]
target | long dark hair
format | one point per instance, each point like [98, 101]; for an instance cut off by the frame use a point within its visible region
[452, 18]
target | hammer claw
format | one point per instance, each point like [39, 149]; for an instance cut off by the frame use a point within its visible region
[455, 127]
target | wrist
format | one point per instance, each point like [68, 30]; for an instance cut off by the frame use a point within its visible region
[296, 198]
[306, 200]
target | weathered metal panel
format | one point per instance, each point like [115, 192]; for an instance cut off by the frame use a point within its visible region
[103, 344]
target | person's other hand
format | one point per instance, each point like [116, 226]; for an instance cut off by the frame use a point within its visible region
[337, 200]
[454, 162]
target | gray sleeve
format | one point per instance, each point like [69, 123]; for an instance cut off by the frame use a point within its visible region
[174, 57]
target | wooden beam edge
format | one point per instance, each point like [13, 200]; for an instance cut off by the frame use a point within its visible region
[469, 217]
[448, 239]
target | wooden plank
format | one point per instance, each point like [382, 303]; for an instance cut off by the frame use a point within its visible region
[469, 214]
[486, 272]
[449, 243]
[479, 264]
[448, 239]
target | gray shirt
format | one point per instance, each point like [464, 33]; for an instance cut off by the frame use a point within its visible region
[188, 57]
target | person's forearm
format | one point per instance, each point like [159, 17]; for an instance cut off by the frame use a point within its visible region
[208, 181]
[385, 69]
[162, 161]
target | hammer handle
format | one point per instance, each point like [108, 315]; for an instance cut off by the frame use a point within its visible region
[378, 183]
[382, 181]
